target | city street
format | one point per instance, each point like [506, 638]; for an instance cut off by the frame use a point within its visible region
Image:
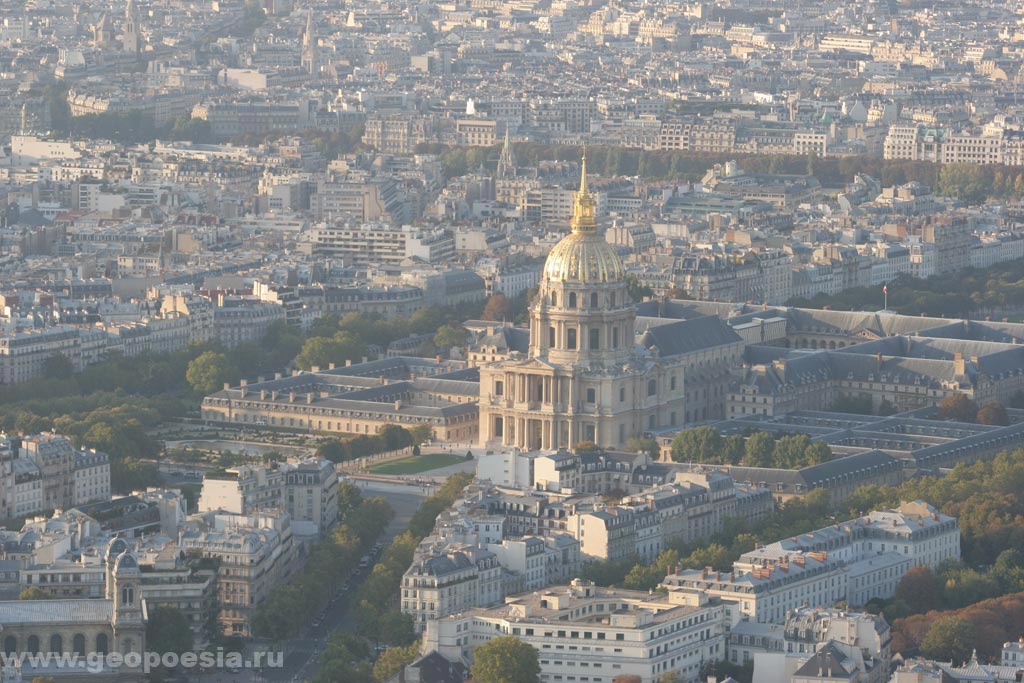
[301, 661]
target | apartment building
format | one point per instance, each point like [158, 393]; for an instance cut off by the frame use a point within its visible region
[240, 320]
[852, 562]
[476, 132]
[453, 580]
[91, 477]
[306, 489]
[256, 554]
[369, 243]
[921, 143]
[363, 200]
[23, 355]
[582, 632]
[804, 633]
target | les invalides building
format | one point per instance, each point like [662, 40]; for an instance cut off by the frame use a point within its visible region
[588, 375]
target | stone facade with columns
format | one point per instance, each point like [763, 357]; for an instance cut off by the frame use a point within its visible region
[86, 627]
[587, 377]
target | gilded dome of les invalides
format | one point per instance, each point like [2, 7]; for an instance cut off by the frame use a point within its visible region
[583, 256]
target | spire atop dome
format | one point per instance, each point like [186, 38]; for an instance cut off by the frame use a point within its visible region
[583, 173]
[584, 218]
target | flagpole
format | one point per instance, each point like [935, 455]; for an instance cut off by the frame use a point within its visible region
[885, 293]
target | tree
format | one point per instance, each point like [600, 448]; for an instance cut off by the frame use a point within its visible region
[950, 639]
[33, 593]
[321, 352]
[498, 308]
[505, 660]
[789, 451]
[759, 450]
[209, 371]
[817, 452]
[58, 366]
[958, 407]
[448, 336]
[426, 320]
[700, 444]
[586, 447]
[393, 660]
[331, 449]
[636, 290]
[993, 413]
[920, 589]
[168, 630]
[421, 433]
[645, 445]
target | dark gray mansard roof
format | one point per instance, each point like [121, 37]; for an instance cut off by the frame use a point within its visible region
[687, 336]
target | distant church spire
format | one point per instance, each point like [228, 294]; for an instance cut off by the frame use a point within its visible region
[309, 56]
[132, 40]
[507, 167]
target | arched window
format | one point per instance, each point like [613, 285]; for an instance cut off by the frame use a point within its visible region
[593, 300]
[78, 644]
[56, 643]
[102, 644]
[672, 383]
[572, 300]
[615, 337]
[554, 298]
[652, 388]
[10, 645]
[33, 644]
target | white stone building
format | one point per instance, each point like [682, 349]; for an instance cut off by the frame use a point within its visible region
[584, 632]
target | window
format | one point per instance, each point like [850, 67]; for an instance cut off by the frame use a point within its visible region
[570, 338]
[652, 422]
[672, 383]
[595, 338]
[652, 388]
[499, 387]
[572, 300]
[591, 396]
[622, 394]
[593, 300]
[554, 298]
[551, 337]
[615, 337]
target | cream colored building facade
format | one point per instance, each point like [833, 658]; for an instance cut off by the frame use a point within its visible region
[585, 379]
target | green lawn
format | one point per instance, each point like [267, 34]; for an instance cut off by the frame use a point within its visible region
[417, 464]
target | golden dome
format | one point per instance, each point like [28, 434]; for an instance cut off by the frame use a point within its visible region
[583, 256]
